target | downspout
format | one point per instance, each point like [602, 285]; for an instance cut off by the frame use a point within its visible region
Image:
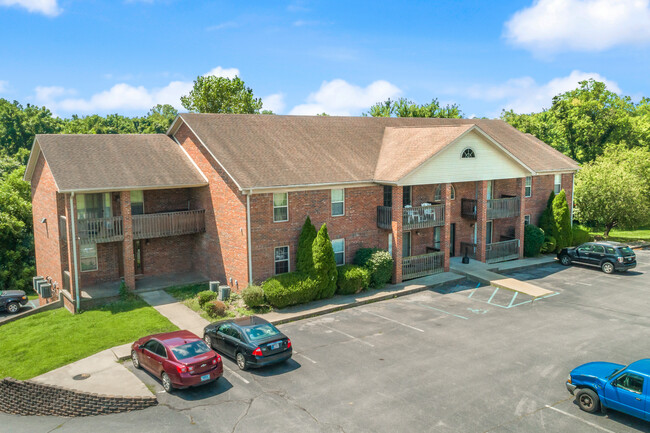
[248, 236]
[74, 250]
[573, 189]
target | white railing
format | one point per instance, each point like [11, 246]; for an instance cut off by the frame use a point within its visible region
[421, 217]
[502, 251]
[420, 266]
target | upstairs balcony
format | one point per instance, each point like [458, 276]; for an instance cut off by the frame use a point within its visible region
[418, 217]
[506, 207]
[147, 226]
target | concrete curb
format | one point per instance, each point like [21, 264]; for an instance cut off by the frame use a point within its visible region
[638, 247]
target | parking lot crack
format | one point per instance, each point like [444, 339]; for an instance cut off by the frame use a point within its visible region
[245, 414]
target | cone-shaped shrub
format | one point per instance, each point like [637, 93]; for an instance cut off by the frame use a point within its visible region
[562, 219]
[546, 221]
[305, 241]
[324, 264]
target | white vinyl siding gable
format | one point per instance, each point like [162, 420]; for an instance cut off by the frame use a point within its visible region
[448, 166]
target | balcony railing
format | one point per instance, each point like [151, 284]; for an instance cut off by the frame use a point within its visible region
[420, 266]
[98, 230]
[496, 208]
[157, 225]
[419, 217]
[502, 251]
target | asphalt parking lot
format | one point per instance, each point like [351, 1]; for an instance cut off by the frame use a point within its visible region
[30, 304]
[459, 359]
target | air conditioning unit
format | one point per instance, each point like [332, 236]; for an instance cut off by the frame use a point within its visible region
[37, 281]
[46, 290]
[214, 286]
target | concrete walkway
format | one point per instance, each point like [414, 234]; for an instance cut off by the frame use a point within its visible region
[175, 311]
[106, 376]
[485, 273]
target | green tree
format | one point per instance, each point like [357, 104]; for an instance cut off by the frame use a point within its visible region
[562, 219]
[546, 221]
[533, 240]
[19, 125]
[221, 95]
[158, 119]
[324, 264]
[407, 108]
[305, 256]
[614, 190]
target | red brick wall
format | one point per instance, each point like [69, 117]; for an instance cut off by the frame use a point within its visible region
[108, 261]
[221, 253]
[358, 226]
[542, 187]
[46, 203]
[167, 200]
[169, 254]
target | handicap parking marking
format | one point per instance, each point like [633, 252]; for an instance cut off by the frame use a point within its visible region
[395, 321]
[596, 426]
[507, 304]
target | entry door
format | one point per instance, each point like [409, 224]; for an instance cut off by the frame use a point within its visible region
[488, 232]
[452, 239]
[406, 244]
[137, 256]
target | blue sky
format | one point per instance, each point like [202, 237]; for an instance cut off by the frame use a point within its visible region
[305, 57]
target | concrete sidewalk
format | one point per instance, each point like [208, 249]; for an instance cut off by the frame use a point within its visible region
[175, 311]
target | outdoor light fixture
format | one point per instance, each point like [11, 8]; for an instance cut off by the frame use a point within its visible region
[44, 220]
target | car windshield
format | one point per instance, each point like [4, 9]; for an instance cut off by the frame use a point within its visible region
[190, 350]
[626, 251]
[616, 372]
[260, 332]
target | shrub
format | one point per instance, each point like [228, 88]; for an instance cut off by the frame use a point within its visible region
[562, 218]
[290, 289]
[124, 291]
[380, 266]
[549, 244]
[253, 296]
[215, 309]
[305, 255]
[324, 264]
[205, 296]
[546, 221]
[352, 279]
[362, 255]
[533, 240]
[580, 235]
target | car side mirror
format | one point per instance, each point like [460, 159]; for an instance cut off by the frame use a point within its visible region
[141, 347]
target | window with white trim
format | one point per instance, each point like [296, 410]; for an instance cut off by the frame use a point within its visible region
[528, 189]
[338, 245]
[437, 195]
[281, 259]
[137, 202]
[280, 207]
[452, 195]
[88, 255]
[338, 202]
[557, 187]
[406, 196]
[468, 152]
[526, 219]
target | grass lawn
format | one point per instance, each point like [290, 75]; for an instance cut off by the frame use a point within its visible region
[235, 305]
[618, 235]
[37, 344]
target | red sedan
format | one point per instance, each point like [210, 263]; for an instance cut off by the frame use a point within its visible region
[180, 359]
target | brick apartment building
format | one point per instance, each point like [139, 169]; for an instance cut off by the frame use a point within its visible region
[223, 197]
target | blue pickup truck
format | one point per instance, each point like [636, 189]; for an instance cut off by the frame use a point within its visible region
[605, 385]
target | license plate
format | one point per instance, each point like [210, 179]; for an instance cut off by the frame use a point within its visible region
[275, 346]
[205, 377]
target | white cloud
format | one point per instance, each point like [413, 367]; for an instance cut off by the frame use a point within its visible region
[340, 98]
[579, 25]
[121, 96]
[223, 26]
[274, 102]
[525, 95]
[45, 7]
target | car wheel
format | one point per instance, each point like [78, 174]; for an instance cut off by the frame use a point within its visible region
[167, 383]
[565, 259]
[13, 307]
[208, 340]
[588, 400]
[241, 361]
[607, 267]
[135, 359]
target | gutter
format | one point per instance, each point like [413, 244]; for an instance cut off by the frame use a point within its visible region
[573, 191]
[74, 251]
[248, 237]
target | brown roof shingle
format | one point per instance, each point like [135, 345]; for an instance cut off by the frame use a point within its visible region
[272, 150]
[117, 162]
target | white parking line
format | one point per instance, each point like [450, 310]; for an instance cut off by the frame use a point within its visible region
[580, 419]
[347, 335]
[392, 320]
[306, 357]
[235, 374]
[584, 284]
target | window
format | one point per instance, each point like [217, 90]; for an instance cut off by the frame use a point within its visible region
[610, 250]
[137, 202]
[630, 382]
[388, 195]
[437, 195]
[93, 206]
[529, 186]
[338, 245]
[598, 249]
[452, 195]
[280, 207]
[585, 248]
[406, 196]
[490, 189]
[406, 244]
[436, 238]
[526, 219]
[557, 187]
[281, 257]
[88, 254]
[390, 244]
[468, 152]
[338, 202]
